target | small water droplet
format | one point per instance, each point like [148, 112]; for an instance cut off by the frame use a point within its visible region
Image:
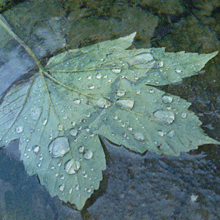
[89, 190]
[183, 115]
[120, 93]
[35, 113]
[59, 147]
[39, 164]
[99, 76]
[77, 187]
[81, 149]
[19, 129]
[161, 133]
[178, 70]
[159, 64]
[103, 103]
[73, 123]
[65, 117]
[52, 167]
[115, 117]
[45, 121]
[36, 149]
[73, 132]
[139, 136]
[130, 128]
[60, 127]
[171, 133]
[91, 87]
[61, 187]
[62, 177]
[125, 103]
[88, 155]
[164, 117]
[72, 166]
[116, 70]
[76, 101]
[151, 90]
[167, 99]
[71, 190]
[89, 77]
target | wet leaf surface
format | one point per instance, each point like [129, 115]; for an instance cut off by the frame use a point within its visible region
[59, 112]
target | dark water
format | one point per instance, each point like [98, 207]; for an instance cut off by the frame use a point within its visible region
[134, 186]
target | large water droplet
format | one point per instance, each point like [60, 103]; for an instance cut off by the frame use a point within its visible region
[164, 117]
[167, 99]
[141, 58]
[116, 70]
[73, 132]
[139, 136]
[72, 166]
[125, 103]
[19, 129]
[36, 149]
[103, 103]
[35, 113]
[88, 155]
[59, 147]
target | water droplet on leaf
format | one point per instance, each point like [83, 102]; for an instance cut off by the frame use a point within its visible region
[72, 166]
[116, 70]
[61, 187]
[139, 136]
[36, 149]
[120, 93]
[19, 129]
[59, 147]
[183, 115]
[125, 103]
[167, 99]
[171, 133]
[76, 101]
[81, 149]
[60, 127]
[35, 113]
[99, 76]
[88, 155]
[103, 103]
[73, 132]
[161, 133]
[164, 117]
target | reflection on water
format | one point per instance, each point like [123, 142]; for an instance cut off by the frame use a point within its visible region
[134, 186]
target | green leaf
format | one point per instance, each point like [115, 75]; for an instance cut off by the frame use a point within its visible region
[59, 113]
